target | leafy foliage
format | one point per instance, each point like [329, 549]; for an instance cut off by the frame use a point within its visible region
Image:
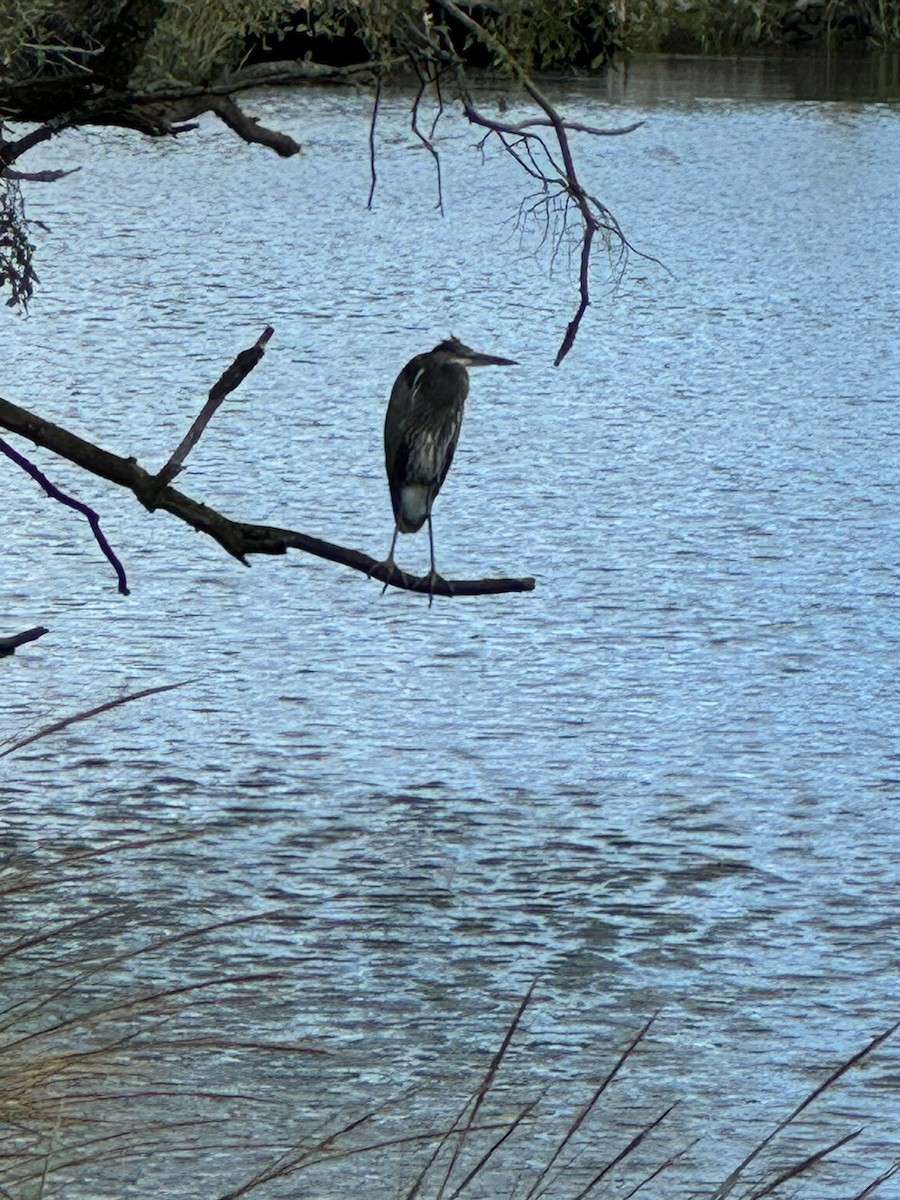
[16, 249]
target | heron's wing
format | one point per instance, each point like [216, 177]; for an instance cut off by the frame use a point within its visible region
[451, 450]
[397, 423]
[421, 430]
[396, 473]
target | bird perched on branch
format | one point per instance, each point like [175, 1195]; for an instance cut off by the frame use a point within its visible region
[421, 430]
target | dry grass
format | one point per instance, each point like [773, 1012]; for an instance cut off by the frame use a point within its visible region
[97, 1071]
[461, 1158]
[100, 1049]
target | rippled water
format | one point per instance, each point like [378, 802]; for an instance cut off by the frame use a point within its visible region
[667, 779]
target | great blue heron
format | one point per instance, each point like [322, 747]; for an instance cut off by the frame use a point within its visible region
[421, 430]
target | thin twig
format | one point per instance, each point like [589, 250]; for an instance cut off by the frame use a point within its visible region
[424, 81]
[372, 172]
[55, 493]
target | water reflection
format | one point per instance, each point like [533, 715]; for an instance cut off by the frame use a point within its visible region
[809, 75]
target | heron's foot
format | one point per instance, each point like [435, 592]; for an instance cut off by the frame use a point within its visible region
[433, 578]
[388, 565]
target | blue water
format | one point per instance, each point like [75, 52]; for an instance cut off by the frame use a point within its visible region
[668, 779]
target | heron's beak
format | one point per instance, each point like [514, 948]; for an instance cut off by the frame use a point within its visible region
[490, 360]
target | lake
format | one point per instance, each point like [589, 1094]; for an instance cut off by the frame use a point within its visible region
[666, 781]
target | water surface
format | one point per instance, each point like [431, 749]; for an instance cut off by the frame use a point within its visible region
[667, 779]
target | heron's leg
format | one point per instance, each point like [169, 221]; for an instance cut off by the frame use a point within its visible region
[431, 544]
[389, 561]
[433, 576]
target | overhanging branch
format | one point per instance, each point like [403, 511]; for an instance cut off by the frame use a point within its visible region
[239, 538]
[58, 494]
[556, 171]
[9, 645]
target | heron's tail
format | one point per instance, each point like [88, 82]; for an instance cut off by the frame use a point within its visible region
[415, 504]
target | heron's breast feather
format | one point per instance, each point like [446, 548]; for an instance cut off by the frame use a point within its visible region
[414, 502]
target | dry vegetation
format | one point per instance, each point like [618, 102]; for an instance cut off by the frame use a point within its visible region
[107, 1059]
[111, 1031]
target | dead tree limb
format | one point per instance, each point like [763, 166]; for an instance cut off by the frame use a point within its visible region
[239, 538]
[231, 378]
[49, 176]
[56, 493]
[556, 176]
[249, 128]
[9, 645]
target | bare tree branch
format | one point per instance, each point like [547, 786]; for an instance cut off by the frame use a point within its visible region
[240, 539]
[575, 127]
[425, 78]
[280, 74]
[109, 91]
[55, 493]
[59, 104]
[250, 129]
[49, 176]
[373, 174]
[595, 217]
[231, 378]
[9, 645]
[10, 151]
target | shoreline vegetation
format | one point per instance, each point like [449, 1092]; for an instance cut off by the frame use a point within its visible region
[120, 1047]
[559, 35]
[193, 40]
[124, 1043]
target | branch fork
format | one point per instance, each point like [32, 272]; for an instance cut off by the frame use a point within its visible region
[240, 539]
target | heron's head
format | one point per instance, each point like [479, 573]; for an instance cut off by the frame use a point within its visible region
[453, 350]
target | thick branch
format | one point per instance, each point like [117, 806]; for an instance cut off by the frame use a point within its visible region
[9, 645]
[250, 129]
[239, 538]
[61, 102]
[49, 176]
[10, 151]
